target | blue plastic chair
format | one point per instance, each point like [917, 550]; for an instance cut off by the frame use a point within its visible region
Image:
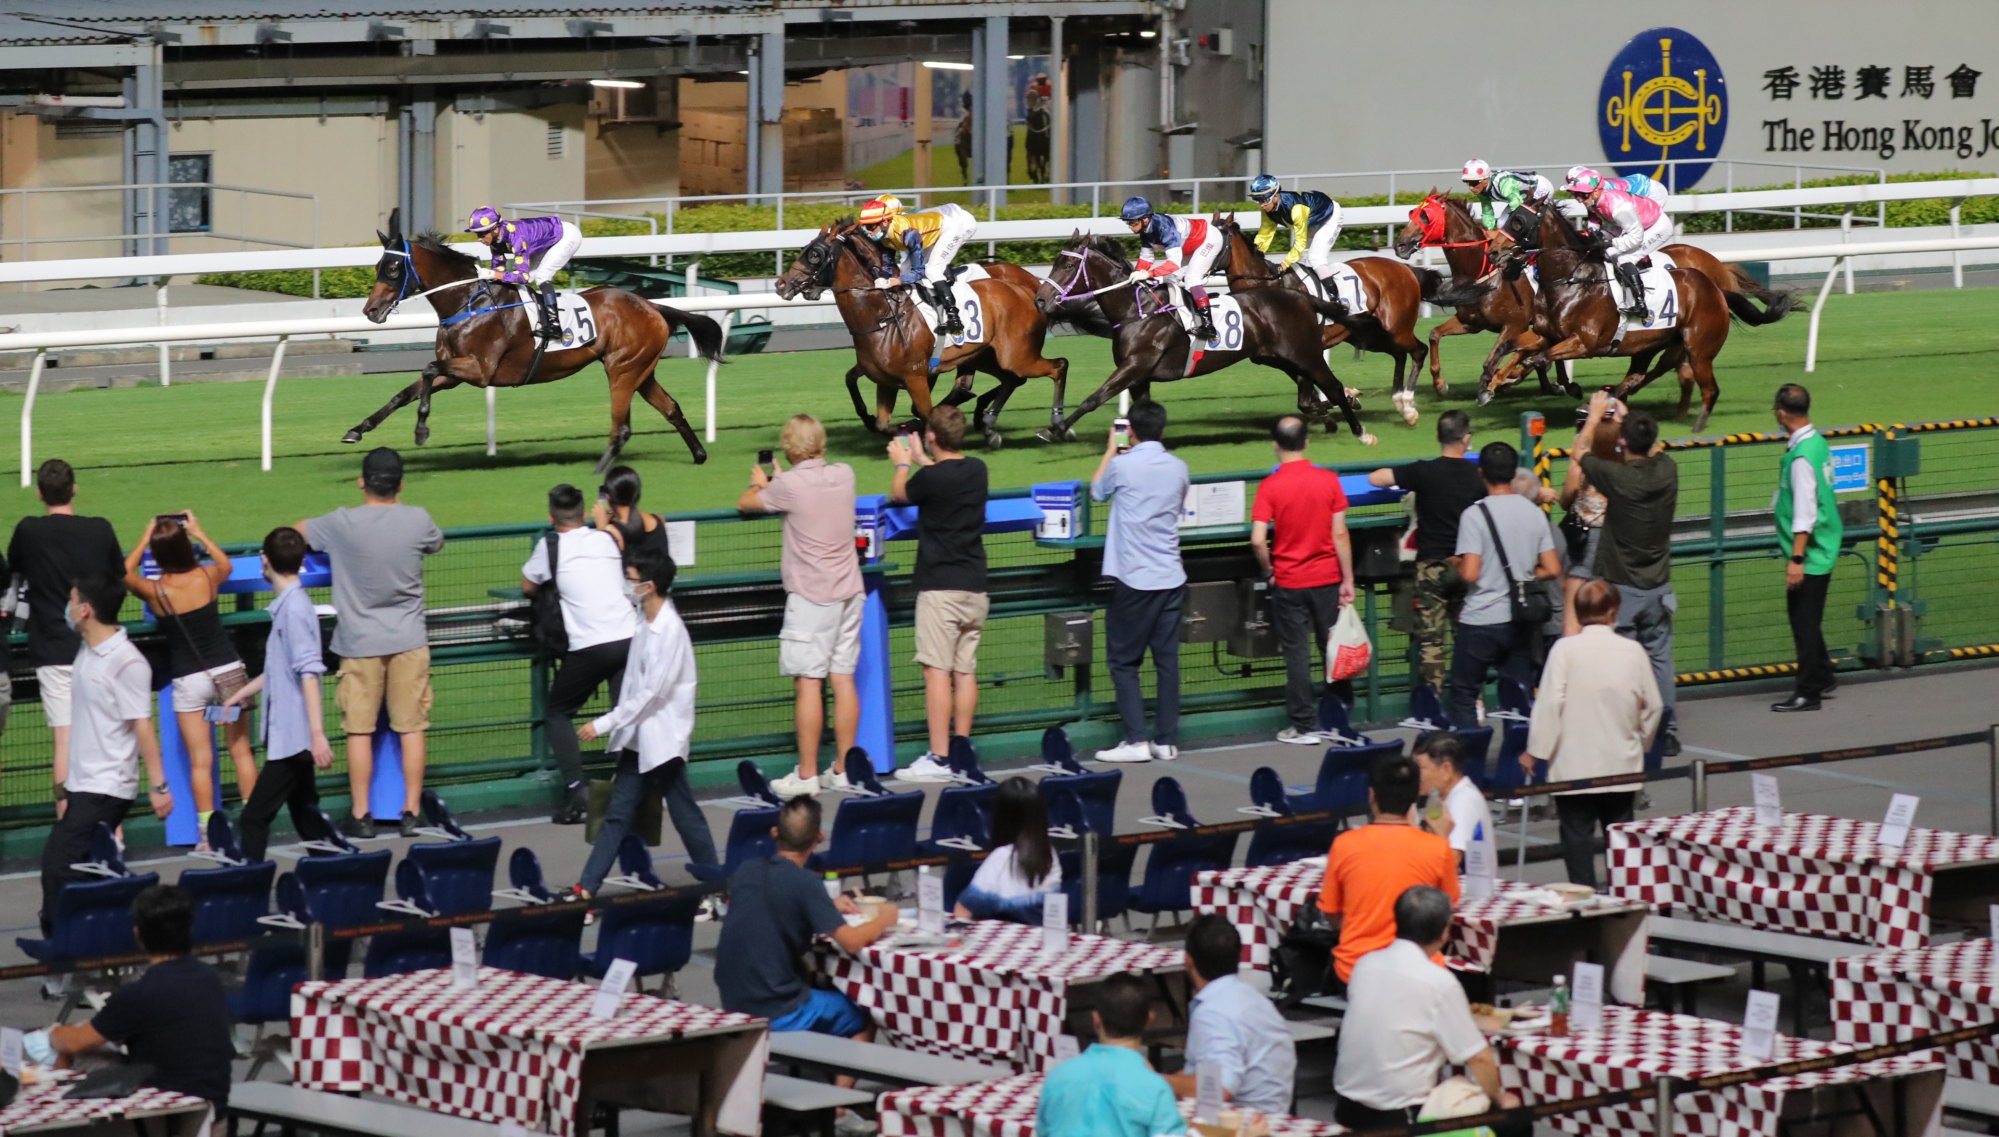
[524, 876]
[1506, 774]
[1515, 698]
[1169, 805]
[1058, 754]
[871, 830]
[229, 899]
[222, 841]
[457, 876]
[1114, 861]
[337, 891]
[658, 936]
[1477, 743]
[269, 975]
[860, 771]
[749, 840]
[1282, 844]
[396, 953]
[755, 785]
[549, 945]
[1335, 720]
[1342, 784]
[962, 813]
[635, 865]
[1427, 706]
[92, 918]
[964, 762]
[1095, 792]
[1167, 886]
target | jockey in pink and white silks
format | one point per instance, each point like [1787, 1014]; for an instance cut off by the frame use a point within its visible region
[1637, 185]
[1183, 248]
[1636, 227]
[529, 251]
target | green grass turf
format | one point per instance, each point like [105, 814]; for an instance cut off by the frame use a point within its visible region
[1884, 357]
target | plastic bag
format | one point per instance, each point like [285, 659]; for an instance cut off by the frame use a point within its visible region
[1348, 650]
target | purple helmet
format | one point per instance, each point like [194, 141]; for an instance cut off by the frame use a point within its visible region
[483, 218]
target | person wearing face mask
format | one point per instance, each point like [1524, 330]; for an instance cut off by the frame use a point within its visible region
[652, 725]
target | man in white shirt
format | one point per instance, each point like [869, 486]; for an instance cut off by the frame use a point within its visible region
[1232, 1027]
[652, 726]
[111, 731]
[1407, 1018]
[1440, 757]
[597, 622]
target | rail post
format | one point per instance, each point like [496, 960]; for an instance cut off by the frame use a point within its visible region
[1662, 1107]
[492, 422]
[1956, 258]
[315, 951]
[1699, 768]
[1887, 559]
[1992, 770]
[1717, 563]
[1533, 439]
[1090, 869]
[270, 393]
[28, 417]
[1818, 309]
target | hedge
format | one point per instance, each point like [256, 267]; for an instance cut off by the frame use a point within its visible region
[352, 282]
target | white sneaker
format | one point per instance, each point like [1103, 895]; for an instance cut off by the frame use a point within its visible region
[791, 786]
[928, 768]
[1126, 752]
[1296, 737]
[1164, 751]
[834, 780]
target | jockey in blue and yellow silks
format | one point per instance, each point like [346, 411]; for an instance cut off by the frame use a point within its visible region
[1312, 217]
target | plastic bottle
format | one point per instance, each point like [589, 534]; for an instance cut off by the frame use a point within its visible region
[1558, 1008]
[833, 885]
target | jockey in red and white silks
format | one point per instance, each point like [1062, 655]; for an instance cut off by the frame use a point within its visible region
[1183, 248]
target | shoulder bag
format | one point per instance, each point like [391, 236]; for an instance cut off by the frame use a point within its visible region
[1529, 603]
[228, 678]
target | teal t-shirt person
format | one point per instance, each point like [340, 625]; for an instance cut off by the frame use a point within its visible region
[1804, 487]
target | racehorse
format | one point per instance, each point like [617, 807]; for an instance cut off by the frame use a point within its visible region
[895, 346]
[488, 340]
[1578, 316]
[1279, 329]
[1394, 294]
[1441, 221]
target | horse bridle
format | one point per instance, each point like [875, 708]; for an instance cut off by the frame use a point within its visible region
[1424, 241]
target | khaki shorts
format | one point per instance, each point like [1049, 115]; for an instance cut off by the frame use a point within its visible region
[54, 682]
[819, 639]
[948, 627]
[404, 677]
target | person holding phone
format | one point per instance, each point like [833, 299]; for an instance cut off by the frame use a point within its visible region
[1147, 489]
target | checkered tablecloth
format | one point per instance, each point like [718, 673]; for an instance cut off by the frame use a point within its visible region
[1892, 996]
[43, 1106]
[995, 996]
[1635, 1046]
[1817, 876]
[512, 1050]
[1006, 1109]
[1262, 902]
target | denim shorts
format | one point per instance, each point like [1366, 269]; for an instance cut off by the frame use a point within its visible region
[824, 1012]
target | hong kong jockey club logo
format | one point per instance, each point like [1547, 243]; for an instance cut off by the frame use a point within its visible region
[1663, 98]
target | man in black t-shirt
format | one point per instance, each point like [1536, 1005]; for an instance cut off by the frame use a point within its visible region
[173, 1018]
[1445, 486]
[47, 555]
[950, 495]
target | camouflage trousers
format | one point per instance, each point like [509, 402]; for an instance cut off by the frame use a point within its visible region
[1439, 594]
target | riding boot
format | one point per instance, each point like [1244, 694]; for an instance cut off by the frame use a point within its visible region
[551, 327]
[1634, 289]
[1204, 322]
[946, 303]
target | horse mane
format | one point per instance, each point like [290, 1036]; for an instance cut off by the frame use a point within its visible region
[432, 241]
[1550, 215]
[1113, 250]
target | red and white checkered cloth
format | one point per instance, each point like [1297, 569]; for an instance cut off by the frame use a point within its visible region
[43, 1104]
[995, 996]
[1634, 1046]
[512, 1050]
[1817, 876]
[1006, 1109]
[1262, 902]
[1892, 996]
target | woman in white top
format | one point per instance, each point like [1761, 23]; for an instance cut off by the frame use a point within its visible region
[1596, 712]
[1021, 869]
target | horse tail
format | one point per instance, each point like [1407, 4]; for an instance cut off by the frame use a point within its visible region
[1466, 295]
[1742, 288]
[706, 332]
[1429, 281]
[1337, 313]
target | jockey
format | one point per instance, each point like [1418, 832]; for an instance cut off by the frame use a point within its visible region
[1637, 185]
[1190, 239]
[1636, 226]
[1312, 217]
[1503, 188]
[926, 242]
[530, 251]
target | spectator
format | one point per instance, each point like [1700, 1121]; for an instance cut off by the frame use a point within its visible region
[1040, 124]
[47, 555]
[201, 659]
[1809, 528]
[597, 627]
[1461, 815]
[1309, 563]
[821, 638]
[377, 550]
[1232, 1026]
[1445, 486]
[1021, 871]
[1596, 713]
[1147, 489]
[1110, 1090]
[295, 745]
[1582, 531]
[617, 512]
[172, 1019]
[651, 727]
[1501, 540]
[776, 910]
[1641, 485]
[1406, 1020]
[950, 496]
[1370, 866]
[111, 705]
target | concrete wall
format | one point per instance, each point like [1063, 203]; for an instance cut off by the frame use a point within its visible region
[357, 154]
[630, 161]
[1367, 86]
[32, 156]
[1224, 93]
[505, 156]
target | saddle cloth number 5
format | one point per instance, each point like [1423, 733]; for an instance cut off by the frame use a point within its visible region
[586, 326]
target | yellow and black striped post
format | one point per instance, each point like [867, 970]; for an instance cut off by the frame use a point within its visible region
[1888, 544]
[1534, 430]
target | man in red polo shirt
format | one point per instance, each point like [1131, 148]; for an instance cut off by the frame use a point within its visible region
[1310, 564]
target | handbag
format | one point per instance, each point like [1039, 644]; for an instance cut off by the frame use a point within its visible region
[1529, 603]
[545, 625]
[228, 679]
[1575, 536]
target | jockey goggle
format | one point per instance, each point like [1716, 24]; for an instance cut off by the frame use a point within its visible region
[1138, 226]
[1267, 204]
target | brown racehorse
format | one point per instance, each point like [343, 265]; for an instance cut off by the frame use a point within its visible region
[488, 338]
[895, 346]
[1440, 221]
[1578, 316]
[1393, 296]
[1279, 328]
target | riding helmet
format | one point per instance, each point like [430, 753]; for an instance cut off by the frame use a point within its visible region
[1135, 209]
[1475, 171]
[483, 218]
[1262, 188]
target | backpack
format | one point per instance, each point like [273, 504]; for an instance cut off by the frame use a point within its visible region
[545, 609]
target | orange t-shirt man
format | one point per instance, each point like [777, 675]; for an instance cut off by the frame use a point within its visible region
[1367, 870]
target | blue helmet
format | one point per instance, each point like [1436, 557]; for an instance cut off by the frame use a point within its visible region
[1262, 188]
[1135, 209]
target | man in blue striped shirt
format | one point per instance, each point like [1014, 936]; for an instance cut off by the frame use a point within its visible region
[295, 746]
[1147, 489]
[1233, 1028]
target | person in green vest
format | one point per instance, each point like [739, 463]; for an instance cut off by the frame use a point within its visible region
[1809, 531]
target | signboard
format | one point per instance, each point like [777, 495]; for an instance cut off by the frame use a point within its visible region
[1851, 466]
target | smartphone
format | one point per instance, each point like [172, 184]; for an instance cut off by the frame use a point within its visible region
[181, 518]
[222, 714]
[1121, 433]
[763, 457]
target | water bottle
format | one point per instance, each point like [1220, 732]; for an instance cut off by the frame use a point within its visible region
[1558, 1008]
[833, 885]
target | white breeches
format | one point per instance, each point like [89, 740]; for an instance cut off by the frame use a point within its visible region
[1319, 250]
[1195, 268]
[1657, 236]
[957, 227]
[558, 254]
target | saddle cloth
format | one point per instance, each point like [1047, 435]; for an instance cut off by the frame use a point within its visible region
[572, 312]
[1346, 283]
[971, 309]
[1662, 297]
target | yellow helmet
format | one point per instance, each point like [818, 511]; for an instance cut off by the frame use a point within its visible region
[892, 204]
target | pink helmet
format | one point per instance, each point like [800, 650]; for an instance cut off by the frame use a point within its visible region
[483, 218]
[1584, 183]
[1578, 171]
[1475, 171]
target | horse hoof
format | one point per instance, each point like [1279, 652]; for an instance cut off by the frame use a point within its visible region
[1068, 435]
[1575, 390]
[1367, 439]
[993, 440]
[351, 437]
[1484, 396]
[1409, 415]
[1047, 434]
[422, 435]
[700, 456]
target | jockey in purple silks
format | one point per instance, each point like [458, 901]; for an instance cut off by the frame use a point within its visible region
[529, 251]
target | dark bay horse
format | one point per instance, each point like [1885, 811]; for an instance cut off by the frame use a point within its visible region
[1394, 295]
[1280, 329]
[1440, 221]
[488, 338]
[895, 346]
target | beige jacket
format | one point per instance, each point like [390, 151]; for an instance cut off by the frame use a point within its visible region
[1597, 708]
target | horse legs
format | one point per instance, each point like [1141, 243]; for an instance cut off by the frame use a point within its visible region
[396, 402]
[436, 377]
[1450, 327]
[621, 425]
[667, 405]
[1488, 378]
[885, 393]
[1702, 372]
[986, 411]
[1335, 392]
[1124, 377]
[854, 392]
